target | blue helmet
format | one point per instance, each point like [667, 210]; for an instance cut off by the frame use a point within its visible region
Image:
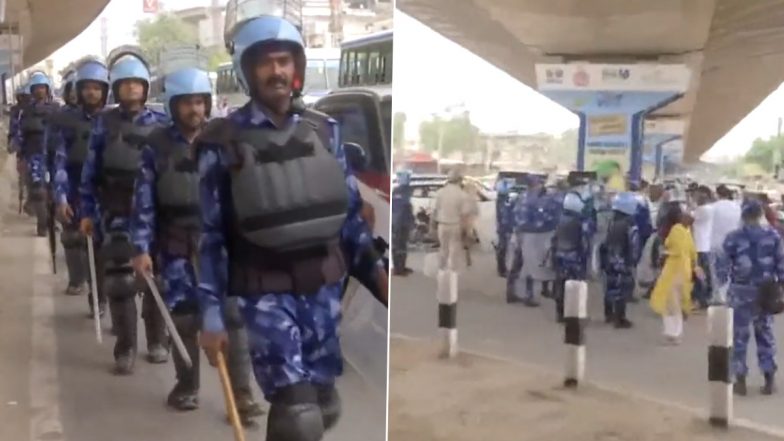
[573, 202]
[21, 90]
[266, 29]
[188, 81]
[38, 79]
[404, 177]
[129, 67]
[626, 202]
[91, 70]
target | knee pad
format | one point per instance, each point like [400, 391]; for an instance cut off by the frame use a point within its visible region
[117, 249]
[187, 324]
[329, 402]
[295, 415]
[120, 283]
[71, 238]
[232, 314]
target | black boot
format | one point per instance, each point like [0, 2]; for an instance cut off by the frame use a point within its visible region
[621, 322]
[124, 319]
[185, 395]
[609, 317]
[770, 384]
[739, 388]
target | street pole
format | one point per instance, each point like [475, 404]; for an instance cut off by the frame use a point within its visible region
[440, 143]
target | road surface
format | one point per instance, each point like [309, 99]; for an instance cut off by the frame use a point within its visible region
[476, 398]
[629, 360]
[55, 381]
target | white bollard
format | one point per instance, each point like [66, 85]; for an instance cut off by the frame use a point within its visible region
[447, 312]
[720, 334]
[575, 317]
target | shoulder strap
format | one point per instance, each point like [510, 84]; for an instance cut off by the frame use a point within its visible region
[319, 122]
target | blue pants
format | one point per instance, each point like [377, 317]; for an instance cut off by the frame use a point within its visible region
[747, 316]
[293, 338]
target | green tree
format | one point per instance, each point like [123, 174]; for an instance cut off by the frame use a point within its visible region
[762, 152]
[162, 31]
[457, 134]
[399, 131]
[216, 56]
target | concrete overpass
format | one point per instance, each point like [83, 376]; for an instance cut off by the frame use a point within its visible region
[732, 47]
[44, 26]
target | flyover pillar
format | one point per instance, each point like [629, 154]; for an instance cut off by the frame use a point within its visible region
[657, 133]
[612, 101]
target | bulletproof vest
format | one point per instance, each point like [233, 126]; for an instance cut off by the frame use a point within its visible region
[76, 155]
[618, 236]
[121, 155]
[569, 234]
[177, 193]
[290, 200]
[33, 126]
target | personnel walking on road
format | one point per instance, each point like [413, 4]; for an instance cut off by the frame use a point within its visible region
[536, 218]
[451, 216]
[106, 194]
[402, 222]
[165, 224]
[620, 253]
[571, 248]
[34, 146]
[503, 223]
[283, 243]
[71, 134]
[755, 254]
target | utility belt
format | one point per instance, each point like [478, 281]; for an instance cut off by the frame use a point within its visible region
[178, 241]
[116, 196]
[254, 270]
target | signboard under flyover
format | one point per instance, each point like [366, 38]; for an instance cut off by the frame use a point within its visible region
[617, 77]
[605, 125]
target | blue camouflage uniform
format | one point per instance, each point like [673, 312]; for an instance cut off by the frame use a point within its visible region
[536, 215]
[67, 177]
[755, 254]
[619, 256]
[402, 222]
[570, 250]
[643, 220]
[293, 337]
[88, 190]
[176, 269]
[108, 226]
[33, 147]
[504, 225]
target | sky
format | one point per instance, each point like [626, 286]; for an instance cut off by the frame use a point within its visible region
[499, 103]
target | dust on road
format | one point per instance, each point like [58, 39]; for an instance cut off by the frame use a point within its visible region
[473, 398]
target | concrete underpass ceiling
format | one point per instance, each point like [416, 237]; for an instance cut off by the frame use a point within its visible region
[734, 47]
[46, 25]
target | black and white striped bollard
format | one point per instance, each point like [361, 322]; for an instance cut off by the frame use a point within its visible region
[575, 315]
[447, 312]
[720, 333]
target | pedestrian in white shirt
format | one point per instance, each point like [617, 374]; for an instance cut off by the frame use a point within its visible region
[726, 218]
[702, 230]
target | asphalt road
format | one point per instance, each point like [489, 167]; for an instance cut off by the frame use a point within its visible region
[629, 360]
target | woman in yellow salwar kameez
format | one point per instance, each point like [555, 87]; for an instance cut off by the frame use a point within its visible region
[671, 297]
